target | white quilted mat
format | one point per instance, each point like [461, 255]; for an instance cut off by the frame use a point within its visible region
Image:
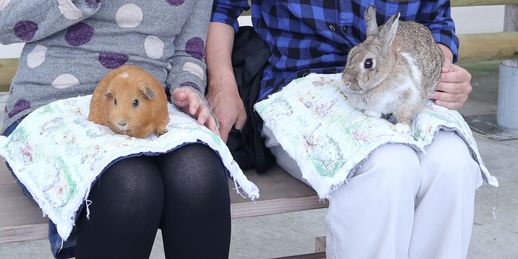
[316, 126]
[57, 154]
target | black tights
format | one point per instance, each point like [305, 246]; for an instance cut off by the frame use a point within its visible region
[185, 193]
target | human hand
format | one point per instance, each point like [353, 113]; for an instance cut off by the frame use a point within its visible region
[454, 85]
[193, 104]
[228, 108]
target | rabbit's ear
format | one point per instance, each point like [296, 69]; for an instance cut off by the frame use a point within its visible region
[388, 32]
[370, 21]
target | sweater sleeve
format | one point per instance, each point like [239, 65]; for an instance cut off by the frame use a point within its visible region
[436, 15]
[32, 20]
[188, 62]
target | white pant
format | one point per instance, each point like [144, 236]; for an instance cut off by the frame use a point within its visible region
[401, 204]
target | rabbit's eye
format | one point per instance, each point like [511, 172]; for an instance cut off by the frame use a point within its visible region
[115, 101]
[368, 63]
[135, 103]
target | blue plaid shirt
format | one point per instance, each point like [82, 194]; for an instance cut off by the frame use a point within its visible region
[310, 36]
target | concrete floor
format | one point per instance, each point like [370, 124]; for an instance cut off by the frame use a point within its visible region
[495, 232]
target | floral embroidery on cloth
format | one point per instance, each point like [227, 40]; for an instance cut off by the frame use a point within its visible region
[313, 122]
[56, 153]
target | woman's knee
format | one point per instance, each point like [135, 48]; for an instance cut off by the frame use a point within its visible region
[449, 159]
[194, 168]
[394, 165]
[130, 184]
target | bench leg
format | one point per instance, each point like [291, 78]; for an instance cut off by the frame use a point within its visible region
[320, 244]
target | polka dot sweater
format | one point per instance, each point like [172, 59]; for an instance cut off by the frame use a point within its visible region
[72, 44]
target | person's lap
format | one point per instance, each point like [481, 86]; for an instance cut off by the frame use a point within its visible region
[396, 195]
[138, 195]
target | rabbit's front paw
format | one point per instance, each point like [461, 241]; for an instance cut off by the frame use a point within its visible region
[372, 113]
[402, 128]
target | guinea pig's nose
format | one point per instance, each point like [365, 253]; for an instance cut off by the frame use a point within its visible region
[122, 124]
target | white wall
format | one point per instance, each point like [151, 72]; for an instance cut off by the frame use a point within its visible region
[467, 19]
[478, 19]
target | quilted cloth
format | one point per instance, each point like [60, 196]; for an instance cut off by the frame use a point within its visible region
[56, 153]
[314, 123]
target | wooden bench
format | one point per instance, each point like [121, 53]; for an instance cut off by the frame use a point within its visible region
[21, 219]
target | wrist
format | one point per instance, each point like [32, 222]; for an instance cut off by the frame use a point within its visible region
[222, 82]
[448, 55]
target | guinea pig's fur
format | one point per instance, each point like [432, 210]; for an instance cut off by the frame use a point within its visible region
[130, 101]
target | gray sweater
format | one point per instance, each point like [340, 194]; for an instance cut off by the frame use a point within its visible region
[71, 45]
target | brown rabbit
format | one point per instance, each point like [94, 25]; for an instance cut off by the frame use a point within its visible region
[130, 101]
[394, 70]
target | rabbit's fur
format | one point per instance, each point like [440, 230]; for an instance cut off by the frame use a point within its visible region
[405, 68]
[130, 101]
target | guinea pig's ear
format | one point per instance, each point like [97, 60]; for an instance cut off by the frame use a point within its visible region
[146, 91]
[108, 93]
[370, 21]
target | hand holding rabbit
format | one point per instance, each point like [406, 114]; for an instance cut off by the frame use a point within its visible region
[454, 87]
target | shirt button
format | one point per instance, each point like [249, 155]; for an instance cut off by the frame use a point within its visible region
[332, 28]
[346, 29]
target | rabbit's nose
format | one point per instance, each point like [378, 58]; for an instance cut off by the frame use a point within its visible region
[347, 84]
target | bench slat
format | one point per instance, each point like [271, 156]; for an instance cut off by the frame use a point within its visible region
[16, 209]
[22, 220]
[276, 206]
[319, 255]
[23, 233]
[273, 184]
[8, 67]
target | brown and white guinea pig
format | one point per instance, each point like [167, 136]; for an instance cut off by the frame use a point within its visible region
[130, 101]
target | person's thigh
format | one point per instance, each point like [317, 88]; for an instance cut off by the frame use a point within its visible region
[282, 158]
[449, 158]
[371, 216]
[196, 203]
[445, 201]
[124, 213]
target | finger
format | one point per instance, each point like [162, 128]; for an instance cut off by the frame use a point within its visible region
[224, 130]
[212, 125]
[240, 121]
[446, 66]
[444, 97]
[456, 75]
[180, 98]
[194, 106]
[452, 88]
[449, 105]
[203, 115]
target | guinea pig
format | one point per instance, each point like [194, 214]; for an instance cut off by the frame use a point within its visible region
[130, 101]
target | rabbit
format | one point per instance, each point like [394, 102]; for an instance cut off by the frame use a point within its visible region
[393, 71]
[130, 101]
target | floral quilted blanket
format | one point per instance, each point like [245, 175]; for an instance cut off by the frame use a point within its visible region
[314, 123]
[56, 153]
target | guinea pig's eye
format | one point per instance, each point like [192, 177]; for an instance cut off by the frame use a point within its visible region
[115, 101]
[368, 63]
[135, 103]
